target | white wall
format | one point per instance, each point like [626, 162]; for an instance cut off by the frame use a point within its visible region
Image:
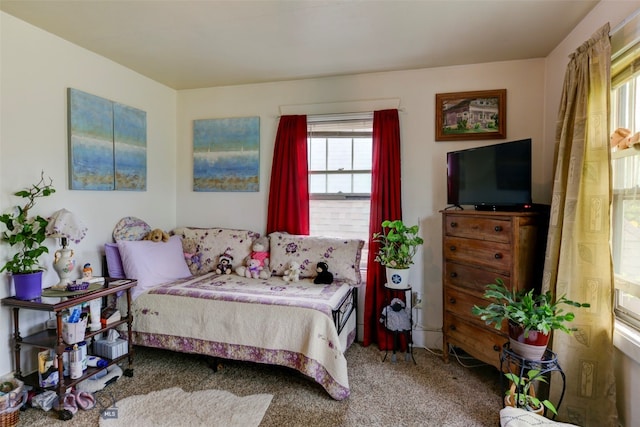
[627, 370]
[423, 159]
[37, 68]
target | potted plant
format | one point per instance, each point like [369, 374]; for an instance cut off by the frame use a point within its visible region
[27, 234]
[522, 393]
[398, 245]
[531, 317]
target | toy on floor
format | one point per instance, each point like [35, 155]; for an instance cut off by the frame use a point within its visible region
[224, 264]
[157, 235]
[256, 265]
[292, 273]
[324, 277]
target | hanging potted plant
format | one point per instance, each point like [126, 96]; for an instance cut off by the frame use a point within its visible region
[27, 234]
[398, 245]
[522, 394]
[531, 317]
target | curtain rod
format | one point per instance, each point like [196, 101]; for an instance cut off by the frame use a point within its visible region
[624, 22]
[400, 110]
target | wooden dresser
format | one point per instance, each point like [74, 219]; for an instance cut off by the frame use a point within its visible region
[477, 248]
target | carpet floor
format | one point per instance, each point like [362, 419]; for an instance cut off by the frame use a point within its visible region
[428, 393]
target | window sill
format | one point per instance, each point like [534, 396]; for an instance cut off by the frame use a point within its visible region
[627, 340]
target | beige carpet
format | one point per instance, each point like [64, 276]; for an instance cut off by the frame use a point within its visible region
[428, 393]
[175, 407]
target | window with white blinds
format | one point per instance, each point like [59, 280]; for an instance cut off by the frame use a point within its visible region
[339, 161]
[625, 220]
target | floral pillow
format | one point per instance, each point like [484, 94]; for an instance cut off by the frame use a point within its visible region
[203, 246]
[342, 255]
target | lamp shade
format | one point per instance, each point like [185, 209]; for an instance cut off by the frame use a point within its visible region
[65, 224]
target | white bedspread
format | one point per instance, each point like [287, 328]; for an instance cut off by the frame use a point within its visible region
[265, 321]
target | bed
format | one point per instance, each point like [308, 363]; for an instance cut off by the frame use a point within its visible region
[300, 325]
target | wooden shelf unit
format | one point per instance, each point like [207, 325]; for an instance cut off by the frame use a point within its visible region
[52, 338]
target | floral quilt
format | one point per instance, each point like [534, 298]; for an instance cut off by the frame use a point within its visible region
[266, 321]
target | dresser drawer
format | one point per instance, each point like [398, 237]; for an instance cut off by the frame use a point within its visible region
[472, 278]
[494, 230]
[496, 256]
[460, 304]
[483, 344]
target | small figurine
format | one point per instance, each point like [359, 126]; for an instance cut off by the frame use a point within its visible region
[87, 272]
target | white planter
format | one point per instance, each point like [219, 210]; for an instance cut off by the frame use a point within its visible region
[397, 278]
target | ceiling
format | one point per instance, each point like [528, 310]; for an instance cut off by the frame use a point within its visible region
[188, 44]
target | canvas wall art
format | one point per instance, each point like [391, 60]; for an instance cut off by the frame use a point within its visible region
[107, 144]
[226, 154]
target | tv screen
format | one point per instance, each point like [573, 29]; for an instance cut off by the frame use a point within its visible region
[492, 177]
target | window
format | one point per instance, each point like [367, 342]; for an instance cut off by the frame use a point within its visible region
[340, 150]
[625, 220]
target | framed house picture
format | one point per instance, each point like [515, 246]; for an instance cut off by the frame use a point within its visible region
[471, 115]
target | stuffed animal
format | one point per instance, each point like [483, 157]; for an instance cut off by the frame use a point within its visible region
[324, 277]
[292, 273]
[395, 316]
[224, 264]
[157, 235]
[259, 253]
[191, 253]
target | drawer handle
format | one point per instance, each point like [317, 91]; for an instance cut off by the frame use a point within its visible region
[453, 274]
[498, 256]
[498, 228]
[496, 347]
[452, 248]
[454, 224]
[452, 327]
[452, 300]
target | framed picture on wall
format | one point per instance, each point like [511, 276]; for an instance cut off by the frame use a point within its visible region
[471, 115]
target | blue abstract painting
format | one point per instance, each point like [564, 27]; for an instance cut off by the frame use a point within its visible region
[130, 147]
[107, 144]
[226, 154]
[91, 142]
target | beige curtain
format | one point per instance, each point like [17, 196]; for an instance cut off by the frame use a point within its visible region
[578, 258]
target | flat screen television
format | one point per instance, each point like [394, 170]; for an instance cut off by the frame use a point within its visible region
[493, 177]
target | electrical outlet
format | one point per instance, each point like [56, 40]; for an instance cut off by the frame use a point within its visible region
[416, 301]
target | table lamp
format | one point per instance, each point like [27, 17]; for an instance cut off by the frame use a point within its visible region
[66, 226]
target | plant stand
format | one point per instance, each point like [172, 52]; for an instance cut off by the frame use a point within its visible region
[510, 362]
[394, 332]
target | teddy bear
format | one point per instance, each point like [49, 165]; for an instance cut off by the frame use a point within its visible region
[292, 273]
[224, 264]
[260, 253]
[324, 277]
[157, 235]
[192, 254]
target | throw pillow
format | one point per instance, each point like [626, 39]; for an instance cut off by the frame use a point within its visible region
[153, 263]
[342, 255]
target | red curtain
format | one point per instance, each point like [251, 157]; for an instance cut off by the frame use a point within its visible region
[386, 203]
[289, 190]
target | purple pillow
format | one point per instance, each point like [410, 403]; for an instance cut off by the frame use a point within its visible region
[114, 262]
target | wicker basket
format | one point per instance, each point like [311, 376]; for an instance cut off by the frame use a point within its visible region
[9, 400]
[9, 416]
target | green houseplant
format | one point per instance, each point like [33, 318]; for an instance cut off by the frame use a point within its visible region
[531, 316]
[398, 246]
[522, 394]
[27, 234]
